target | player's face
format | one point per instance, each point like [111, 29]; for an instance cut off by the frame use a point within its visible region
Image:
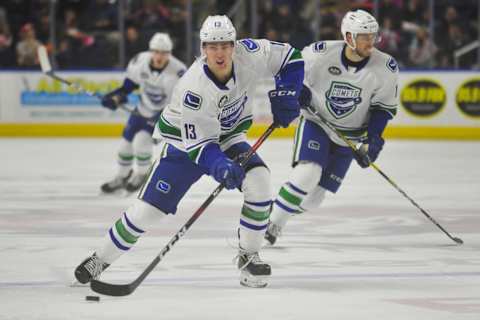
[365, 43]
[160, 58]
[219, 55]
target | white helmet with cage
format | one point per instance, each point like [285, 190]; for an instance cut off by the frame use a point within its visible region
[217, 29]
[358, 21]
[161, 42]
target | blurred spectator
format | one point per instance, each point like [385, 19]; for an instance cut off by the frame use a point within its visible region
[133, 43]
[6, 54]
[455, 39]
[389, 38]
[422, 50]
[27, 47]
[101, 15]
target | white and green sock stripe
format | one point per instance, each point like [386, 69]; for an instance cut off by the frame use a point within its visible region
[255, 215]
[290, 197]
[124, 234]
[125, 159]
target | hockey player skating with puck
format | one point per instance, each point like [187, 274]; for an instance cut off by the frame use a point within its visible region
[204, 127]
[353, 86]
[154, 73]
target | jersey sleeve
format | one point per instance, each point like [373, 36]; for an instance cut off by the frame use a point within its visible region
[310, 56]
[200, 125]
[385, 97]
[270, 57]
[133, 68]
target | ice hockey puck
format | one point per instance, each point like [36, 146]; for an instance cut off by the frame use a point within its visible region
[92, 298]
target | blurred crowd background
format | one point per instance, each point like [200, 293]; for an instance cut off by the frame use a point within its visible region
[84, 34]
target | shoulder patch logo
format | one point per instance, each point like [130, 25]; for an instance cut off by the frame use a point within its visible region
[392, 65]
[319, 46]
[180, 73]
[334, 70]
[192, 100]
[250, 45]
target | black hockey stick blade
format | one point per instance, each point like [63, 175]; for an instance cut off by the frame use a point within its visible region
[121, 290]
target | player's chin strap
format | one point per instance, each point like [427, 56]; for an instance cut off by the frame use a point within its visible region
[374, 166]
[47, 69]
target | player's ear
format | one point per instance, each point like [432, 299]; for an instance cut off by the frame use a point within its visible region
[349, 38]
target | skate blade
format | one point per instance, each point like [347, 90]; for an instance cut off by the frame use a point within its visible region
[248, 280]
[76, 284]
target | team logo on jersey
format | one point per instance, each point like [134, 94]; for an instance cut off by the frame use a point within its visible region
[223, 101]
[334, 70]
[162, 186]
[319, 46]
[468, 98]
[392, 64]
[192, 100]
[250, 45]
[342, 99]
[231, 113]
[156, 96]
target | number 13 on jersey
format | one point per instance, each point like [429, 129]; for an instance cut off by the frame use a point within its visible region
[190, 131]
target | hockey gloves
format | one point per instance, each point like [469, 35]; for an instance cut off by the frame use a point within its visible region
[369, 151]
[284, 103]
[113, 99]
[228, 172]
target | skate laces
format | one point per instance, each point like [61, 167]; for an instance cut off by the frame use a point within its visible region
[94, 266]
[249, 257]
[137, 179]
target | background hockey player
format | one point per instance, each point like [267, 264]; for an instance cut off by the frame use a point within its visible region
[204, 127]
[354, 87]
[154, 73]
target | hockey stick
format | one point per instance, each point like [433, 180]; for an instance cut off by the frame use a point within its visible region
[374, 166]
[126, 289]
[47, 69]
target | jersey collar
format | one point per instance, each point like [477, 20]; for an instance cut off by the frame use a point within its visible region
[212, 77]
[347, 63]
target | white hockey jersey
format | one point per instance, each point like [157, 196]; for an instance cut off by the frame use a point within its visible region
[202, 110]
[155, 88]
[345, 95]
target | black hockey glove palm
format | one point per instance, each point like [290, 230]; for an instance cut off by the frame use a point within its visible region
[113, 99]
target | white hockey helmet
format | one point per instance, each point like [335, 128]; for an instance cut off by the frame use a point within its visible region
[358, 21]
[217, 29]
[161, 42]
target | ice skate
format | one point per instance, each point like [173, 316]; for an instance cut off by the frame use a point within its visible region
[116, 183]
[135, 182]
[272, 233]
[253, 271]
[90, 269]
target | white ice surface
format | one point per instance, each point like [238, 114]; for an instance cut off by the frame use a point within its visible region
[368, 253]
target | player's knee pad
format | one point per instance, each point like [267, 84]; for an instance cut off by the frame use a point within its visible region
[306, 175]
[142, 214]
[313, 199]
[256, 186]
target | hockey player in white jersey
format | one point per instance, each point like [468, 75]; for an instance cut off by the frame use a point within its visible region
[351, 85]
[204, 127]
[154, 73]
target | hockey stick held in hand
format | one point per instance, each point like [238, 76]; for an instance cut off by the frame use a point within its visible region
[126, 289]
[376, 168]
[47, 69]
